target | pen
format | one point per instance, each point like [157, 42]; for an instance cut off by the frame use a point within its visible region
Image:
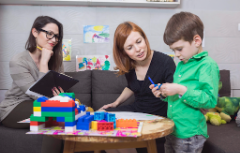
[155, 85]
[39, 48]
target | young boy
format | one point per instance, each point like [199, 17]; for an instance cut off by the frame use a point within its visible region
[195, 84]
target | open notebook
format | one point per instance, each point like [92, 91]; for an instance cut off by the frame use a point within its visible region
[43, 87]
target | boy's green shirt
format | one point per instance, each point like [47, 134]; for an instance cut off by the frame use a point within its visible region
[201, 77]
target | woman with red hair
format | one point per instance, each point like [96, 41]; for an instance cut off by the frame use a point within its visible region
[136, 60]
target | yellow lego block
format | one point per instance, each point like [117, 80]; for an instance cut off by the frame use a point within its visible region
[94, 125]
[37, 109]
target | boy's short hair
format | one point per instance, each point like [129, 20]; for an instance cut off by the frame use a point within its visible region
[183, 25]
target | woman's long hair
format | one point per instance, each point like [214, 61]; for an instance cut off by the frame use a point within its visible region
[55, 61]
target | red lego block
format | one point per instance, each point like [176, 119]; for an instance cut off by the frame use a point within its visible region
[57, 103]
[105, 126]
[35, 123]
[126, 123]
[76, 111]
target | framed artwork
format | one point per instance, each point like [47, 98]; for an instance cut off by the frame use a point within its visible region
[92, 62]
[96, 34]
[66, 49]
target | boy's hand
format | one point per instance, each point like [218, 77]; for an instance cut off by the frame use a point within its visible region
[155, 90]
[169, 89]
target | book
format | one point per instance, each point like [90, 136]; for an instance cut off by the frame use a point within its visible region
[44, 86]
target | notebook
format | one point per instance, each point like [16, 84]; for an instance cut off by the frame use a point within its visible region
[43, 87]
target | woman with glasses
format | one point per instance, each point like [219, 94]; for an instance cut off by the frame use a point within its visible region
[43, 53]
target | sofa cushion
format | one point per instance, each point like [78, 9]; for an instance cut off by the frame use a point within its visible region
[226, 85]
[223, 139]
[16, 140]
[83, 88]
[107, 87]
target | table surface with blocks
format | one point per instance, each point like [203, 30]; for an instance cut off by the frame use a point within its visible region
[151, 130]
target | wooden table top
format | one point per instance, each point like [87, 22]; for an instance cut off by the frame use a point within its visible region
[150, 131]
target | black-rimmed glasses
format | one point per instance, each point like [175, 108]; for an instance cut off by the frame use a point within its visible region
[50, 35]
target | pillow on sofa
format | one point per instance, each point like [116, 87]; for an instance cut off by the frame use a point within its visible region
[106, 87]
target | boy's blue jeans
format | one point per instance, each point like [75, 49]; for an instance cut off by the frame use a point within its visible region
[189, 145]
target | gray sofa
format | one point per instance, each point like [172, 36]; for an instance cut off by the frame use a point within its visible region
[96, 88]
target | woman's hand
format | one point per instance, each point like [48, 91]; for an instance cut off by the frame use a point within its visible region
[155, 90]
[57, 91]
[114, 104]
[45, 56]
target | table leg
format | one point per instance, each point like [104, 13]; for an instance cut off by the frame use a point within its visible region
[69, 146]
[151, 146]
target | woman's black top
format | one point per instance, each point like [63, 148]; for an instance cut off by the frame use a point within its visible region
[161, 70]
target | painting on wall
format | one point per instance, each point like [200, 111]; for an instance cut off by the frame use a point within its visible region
[96, 33]
[92, 62]
[66, 49]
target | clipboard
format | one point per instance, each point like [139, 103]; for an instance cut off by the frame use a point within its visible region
[43, 87]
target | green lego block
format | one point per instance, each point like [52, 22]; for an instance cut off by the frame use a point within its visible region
[38, 118]
[36, 104]
[58, 114]
[71, 94]
[69, 119]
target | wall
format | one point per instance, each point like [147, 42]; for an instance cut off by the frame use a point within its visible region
[220, 18]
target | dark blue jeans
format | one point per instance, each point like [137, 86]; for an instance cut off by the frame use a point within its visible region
[188, 145]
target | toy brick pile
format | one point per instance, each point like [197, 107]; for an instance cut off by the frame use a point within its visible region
[64, 109]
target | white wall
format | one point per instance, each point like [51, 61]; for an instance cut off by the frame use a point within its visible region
[220, 17]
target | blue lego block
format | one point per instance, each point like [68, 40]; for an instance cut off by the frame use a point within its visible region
[89, 118]
[84, 121]
[60, 119]
[114, 124]
[110, 117]
[57, 109]
[42, 99]
[70, 123]
[82, 107]
[99, 116]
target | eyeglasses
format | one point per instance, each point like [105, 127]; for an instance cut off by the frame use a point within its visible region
[50, 35]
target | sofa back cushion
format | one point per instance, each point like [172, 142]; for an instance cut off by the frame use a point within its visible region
[107, 87]
[226, 85]
[83, 88]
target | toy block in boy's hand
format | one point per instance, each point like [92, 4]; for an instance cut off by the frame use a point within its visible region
[155, 85]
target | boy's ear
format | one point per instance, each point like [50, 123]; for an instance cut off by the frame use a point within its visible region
[197, 40]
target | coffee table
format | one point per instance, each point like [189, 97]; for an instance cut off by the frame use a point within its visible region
[151, 130]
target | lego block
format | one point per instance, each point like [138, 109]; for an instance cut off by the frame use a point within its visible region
[70, 95]
[35, 123]
[105, 126]
[126, 123]
[76, 111]
[42, 99]
[94, 125]
[37, 109]
[58, 114]
[70, 123]
[36, 128]
[57, 103]
[36, 104]
[37, 113]
[57, 109]
[61, 119]
[39, 119]
[99, 116]
[109, 117]
[82, 108]
[70, 128]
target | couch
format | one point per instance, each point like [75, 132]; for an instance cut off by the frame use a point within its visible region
[96, 88]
